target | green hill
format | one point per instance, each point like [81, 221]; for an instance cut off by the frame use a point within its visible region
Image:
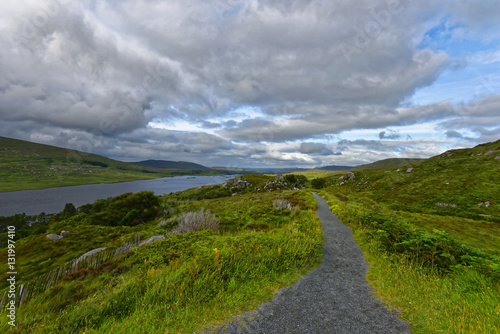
[26, 165]
[166, 164]
[393, 162]
[431, 233]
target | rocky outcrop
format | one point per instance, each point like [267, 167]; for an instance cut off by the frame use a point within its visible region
[349, 176]
[238, 183]
[409, 170]
[486, 204]
[54, 237]
[64, 233]
[492, 152]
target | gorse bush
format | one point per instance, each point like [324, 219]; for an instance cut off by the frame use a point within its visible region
[195, 221]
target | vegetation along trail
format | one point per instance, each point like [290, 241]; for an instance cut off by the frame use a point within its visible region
[334, 298]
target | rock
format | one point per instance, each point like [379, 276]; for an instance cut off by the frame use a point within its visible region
[341, 178]
[487, 204]
[409, 170]
[498, 157]
[397, 170]
[54, 237]
[349, 175]
[491, 152]
[480, 204]
[90, 253]
[152, 239]
[64, 233]
[447, 183]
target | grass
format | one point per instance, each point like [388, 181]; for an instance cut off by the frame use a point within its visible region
[185, 283]
[25, 165]
[433, 252]
[438, 265]
[463, 302]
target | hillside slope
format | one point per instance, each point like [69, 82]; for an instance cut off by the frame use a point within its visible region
[166, 164]
[393, 162]
[26, 165]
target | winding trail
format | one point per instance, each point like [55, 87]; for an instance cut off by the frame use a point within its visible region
[334, 298]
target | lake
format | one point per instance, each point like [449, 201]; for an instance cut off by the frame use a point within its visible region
[52, 200]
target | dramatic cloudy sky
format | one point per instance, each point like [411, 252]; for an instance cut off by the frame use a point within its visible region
[251, 82]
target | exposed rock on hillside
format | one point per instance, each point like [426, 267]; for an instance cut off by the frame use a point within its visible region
[349, 176]
[54, 237]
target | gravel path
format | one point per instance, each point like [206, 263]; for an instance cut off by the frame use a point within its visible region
[334, 298]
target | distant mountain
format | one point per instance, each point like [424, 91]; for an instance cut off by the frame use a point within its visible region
[331, 168]
[166, 164]
[393, 162]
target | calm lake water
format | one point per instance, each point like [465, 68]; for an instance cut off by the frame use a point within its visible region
[52, 200]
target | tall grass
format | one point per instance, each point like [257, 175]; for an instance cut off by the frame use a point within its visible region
[188, 281]
[461, 302]
[432, 298]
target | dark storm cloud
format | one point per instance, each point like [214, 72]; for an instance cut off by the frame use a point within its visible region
[389, 135]
[315, 148]
[453, 134]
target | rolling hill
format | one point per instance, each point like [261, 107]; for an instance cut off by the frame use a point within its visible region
[393, 162]
[166, 164]
[26, 165]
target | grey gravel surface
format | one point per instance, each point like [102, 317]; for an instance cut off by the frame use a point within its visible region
[334, 298]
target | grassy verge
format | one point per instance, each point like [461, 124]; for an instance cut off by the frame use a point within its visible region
[434, 292]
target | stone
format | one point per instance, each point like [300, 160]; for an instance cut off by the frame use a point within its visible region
[350, 175]
[64, 233]
[409, 170]
[487, 204]
[480, 204]
[492, 152]
[152, 239]
[54, 237]
[497, 158]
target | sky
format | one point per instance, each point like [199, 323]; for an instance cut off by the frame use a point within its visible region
[251, 83]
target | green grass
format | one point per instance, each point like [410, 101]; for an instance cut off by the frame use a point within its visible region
[25, 165]
[462, 302]
[179, 285]
[393, 162]
[437, 264]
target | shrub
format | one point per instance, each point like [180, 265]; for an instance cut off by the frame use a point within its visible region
[195, 221]
[318, 183]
